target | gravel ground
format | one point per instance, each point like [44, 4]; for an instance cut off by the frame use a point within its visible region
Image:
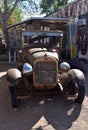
[41, 112]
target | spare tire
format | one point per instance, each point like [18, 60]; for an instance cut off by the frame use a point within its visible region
[81, 94]
[77, 64]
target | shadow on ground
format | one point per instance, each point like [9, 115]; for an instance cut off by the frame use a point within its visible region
[39, 112]
[56, 111]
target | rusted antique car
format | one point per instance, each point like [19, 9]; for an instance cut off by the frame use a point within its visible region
[38, 65]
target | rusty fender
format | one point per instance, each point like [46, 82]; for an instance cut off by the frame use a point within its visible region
[13, 77]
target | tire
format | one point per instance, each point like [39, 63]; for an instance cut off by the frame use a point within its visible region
[81, 95]
[14, 100]
[77, 64]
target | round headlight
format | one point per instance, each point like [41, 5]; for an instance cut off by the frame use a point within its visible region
[64, 66]
[27, 68]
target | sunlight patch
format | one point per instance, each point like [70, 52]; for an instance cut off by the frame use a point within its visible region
[2, 74]
[43, 124]
[85, 102]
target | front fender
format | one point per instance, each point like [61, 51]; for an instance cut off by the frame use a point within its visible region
[13, 76]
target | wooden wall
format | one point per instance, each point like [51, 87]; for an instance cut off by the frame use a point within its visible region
[77, 10]
[74, 9]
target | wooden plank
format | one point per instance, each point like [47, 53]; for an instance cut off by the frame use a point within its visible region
[40, 33]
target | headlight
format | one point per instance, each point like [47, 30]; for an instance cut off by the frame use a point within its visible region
[64, 66]
[27, 68]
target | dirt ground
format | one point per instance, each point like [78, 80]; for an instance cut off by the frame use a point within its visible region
[41, 112]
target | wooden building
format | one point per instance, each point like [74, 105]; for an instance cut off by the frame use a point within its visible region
[23, 33]
[78, 12]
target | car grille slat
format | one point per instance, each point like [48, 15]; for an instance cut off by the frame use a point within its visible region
[45, 72]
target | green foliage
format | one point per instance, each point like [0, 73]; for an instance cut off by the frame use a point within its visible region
[11, 13]
[15, 17]
[49, 6]
[14, 10]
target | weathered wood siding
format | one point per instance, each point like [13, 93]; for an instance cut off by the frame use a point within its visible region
[77, 10]
[74, 9]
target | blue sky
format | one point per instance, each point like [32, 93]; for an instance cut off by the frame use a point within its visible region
[71, 0]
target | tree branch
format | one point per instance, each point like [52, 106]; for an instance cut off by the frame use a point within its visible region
[0, 10]
[0, 15]
[5, 6]
[11, 10]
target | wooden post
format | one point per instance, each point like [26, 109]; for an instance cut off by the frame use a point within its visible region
[15, 45]
[14, 55]
[9, 56]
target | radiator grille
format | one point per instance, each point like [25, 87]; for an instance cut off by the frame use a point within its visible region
[45, 72]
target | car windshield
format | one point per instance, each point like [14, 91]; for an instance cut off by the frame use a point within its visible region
[42, 38]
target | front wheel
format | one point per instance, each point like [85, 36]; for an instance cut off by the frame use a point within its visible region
[81, 95]
[14, 100]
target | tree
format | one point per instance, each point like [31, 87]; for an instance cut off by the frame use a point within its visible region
[7, 7]
[15, 17]
[48, 6]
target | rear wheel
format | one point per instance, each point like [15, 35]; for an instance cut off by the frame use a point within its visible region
[14, 100]
[81, 94]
